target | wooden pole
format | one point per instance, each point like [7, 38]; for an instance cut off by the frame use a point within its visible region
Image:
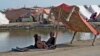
[68, 18]
[73, 37]
[49, 15]
[95, 36]
[57, 26]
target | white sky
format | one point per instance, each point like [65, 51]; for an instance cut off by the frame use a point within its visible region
[4, 4]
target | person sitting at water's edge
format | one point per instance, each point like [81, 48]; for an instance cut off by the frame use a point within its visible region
[49, 44]
[36, 37]
[51, 41]
[39, 44]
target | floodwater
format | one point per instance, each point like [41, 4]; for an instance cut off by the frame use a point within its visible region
[22, 38]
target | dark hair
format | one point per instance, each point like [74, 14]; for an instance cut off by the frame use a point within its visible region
[51, 33]
[95, 13]
[35, 35]
[36, 39]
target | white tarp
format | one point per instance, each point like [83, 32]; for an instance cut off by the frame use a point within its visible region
[3, 19]
[95, 8]
[85, 12]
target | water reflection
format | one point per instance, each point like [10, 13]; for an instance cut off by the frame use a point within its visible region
[3, 40]
[86, 36]
[4, 36]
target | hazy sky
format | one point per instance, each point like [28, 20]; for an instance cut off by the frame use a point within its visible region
[44, 3]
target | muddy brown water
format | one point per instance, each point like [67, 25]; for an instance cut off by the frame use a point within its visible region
[22, 38]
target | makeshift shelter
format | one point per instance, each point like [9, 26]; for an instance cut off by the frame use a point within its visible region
[42, 15]
[71, 18]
